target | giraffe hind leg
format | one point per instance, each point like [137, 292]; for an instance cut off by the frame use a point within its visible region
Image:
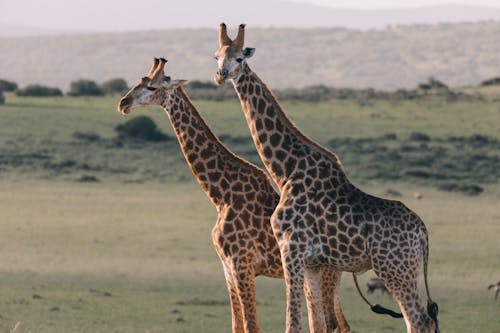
[407, 296]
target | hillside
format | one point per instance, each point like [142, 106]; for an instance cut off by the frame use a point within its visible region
[458, 54]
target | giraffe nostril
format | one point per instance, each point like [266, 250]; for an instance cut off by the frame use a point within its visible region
[124, 101]
[223, 73]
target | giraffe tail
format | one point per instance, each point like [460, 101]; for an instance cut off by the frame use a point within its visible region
[432, 307]
[377, 308]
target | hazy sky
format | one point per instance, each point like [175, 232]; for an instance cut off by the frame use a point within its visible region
[384, 4]
[67, 16]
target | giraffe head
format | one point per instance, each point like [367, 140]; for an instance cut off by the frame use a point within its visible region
[231, 55]
[148, 90]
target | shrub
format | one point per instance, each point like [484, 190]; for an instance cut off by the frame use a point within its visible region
[195, 84]
[491, 82]
[432, 84]
[39, 91]
[140, 127]
[468, 189]
[114, 86]
[84, 87]
[417, 136]
[86, 136]
[7, 85]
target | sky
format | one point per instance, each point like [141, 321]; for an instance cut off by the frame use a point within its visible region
[391, 4]
[69, 16]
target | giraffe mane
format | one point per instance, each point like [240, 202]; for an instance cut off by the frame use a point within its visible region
[292, 126]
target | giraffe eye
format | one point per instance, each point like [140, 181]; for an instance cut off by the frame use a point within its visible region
[151, 88]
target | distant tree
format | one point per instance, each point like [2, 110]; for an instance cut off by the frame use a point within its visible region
[436, 84]
[7, 85]
[140, 127]
[2, 98]
[431, 84]
[39, 91]
[84, 87]
[114, 86]
[195, 84]
[491, 82]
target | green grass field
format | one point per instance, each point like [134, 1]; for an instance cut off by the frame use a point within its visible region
[133, 253]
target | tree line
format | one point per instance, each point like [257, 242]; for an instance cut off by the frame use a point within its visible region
[209, 91]
[80, 87]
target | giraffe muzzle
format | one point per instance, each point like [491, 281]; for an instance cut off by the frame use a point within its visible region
[221, 76]
[124, 105]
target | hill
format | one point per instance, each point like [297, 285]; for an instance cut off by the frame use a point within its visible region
[29, 17]
[400, 56]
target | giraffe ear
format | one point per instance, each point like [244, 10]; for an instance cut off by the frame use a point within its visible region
[248, 52]
[171, 84]
[177, 83]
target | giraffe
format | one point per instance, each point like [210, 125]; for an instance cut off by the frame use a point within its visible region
[322, 219]
[243, 196]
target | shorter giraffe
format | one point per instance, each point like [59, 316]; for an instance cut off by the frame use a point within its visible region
[244, 198]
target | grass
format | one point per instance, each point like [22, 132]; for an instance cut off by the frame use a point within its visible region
[132, 252]
[137, 258]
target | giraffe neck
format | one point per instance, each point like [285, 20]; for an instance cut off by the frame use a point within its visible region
[204, 153]
[282, 147]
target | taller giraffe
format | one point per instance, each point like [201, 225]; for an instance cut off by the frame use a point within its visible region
[243, 196]
[322, 219]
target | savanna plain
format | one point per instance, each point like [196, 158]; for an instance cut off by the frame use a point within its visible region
[103, 233]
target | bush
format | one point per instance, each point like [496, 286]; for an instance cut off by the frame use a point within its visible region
[39, 91]
[114, 86]
[7, 85]
[2, 98]
[86, 136]
[432, 84]
[468, 189]
[84, 88]
[491, 82]
[195, 84]
[140, 127]
[417, 136]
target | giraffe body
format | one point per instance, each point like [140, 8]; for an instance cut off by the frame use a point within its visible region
[244, 198]
[322, 219]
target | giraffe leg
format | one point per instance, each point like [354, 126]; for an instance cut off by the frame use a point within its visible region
[407, 296]
[236, 311]
[293, 269]
[496, 294]
[245, 278]
[314, 298]
[330, 283]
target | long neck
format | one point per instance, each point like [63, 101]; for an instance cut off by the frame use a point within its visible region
[205, 154]
[284, 150]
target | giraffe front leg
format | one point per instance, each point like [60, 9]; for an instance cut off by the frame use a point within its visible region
[245, 278]
[234, 299]
[314, 298]
[330, 285]
[293, 269]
